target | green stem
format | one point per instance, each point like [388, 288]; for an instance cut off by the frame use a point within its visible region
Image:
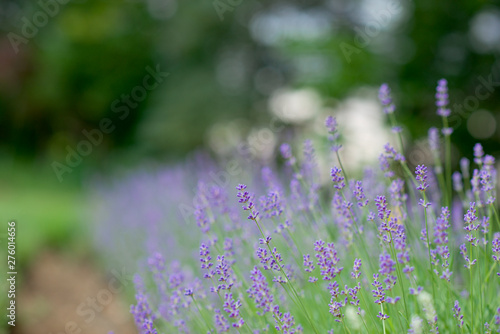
[343, 170]
[287, 279]
[447, 148]
[471, 293]
[400, 277]
[429, 250]
[383, 321]
[201, 314]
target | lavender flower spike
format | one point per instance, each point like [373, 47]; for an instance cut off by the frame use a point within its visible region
[384, 95]
[442, 98]
[421, 177]
[434, 141]
[333, 134]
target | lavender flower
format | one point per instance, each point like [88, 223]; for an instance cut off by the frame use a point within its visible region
[350, 229]
[333, 135]
[142, 312]
[464, 167]
[221, 323]
[383, 211]
[231, 306]
[457, 182]
[434, 141]
[387, 267]
[468, 263]
[286, 153]
[259, 291]
[495, 247]
[384, 95]
[272, 204]
[247, 200]
[147, 327]
[360, 195]
[442, 98]
[356, 269]
[457, 314]
[478, 154]
[205, 260]
[327, 260]
[308, 264]
[470, 218]
[421, 177]
[337, 178]
[441, 241]
[378, 291]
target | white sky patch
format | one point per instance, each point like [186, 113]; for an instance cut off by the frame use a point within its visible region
[295, 106]
[363, 127]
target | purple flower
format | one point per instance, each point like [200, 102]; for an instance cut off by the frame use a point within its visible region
[201, 217]
[283, 322]
[286, 153]
[205, 260]
[457, 314]
[385, 166]
[331, 124]
[441, 241]
[478, 154]
[142, 312]
[308, 264]
[447, 131]
[387, 265]
[378, 291]
[356, 269]
[147, 327]
[464, 167]
[333, 135]
[259, 291]
[337, 178]
[417, 291]
[382, 316]
[442, 98]
[231, 306]
[468, 263]
[384, 95]
[470, 218]
[457, 182]
[221, 323]
[396, 191]
[434, 140]
[495, 247]
[327, 260]
[383, 211]
[268, 260]
[421, 177]
[359, 194]
[246, 199]
[223, 269]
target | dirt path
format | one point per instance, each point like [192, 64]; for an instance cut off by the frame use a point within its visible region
[61, 296]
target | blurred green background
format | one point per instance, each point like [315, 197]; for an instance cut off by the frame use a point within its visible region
[65, 66]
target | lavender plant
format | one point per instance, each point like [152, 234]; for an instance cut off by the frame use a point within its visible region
[391, 251]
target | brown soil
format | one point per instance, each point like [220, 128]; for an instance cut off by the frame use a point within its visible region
[53, 295]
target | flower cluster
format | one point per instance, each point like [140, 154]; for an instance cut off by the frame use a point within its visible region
[272, 259]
